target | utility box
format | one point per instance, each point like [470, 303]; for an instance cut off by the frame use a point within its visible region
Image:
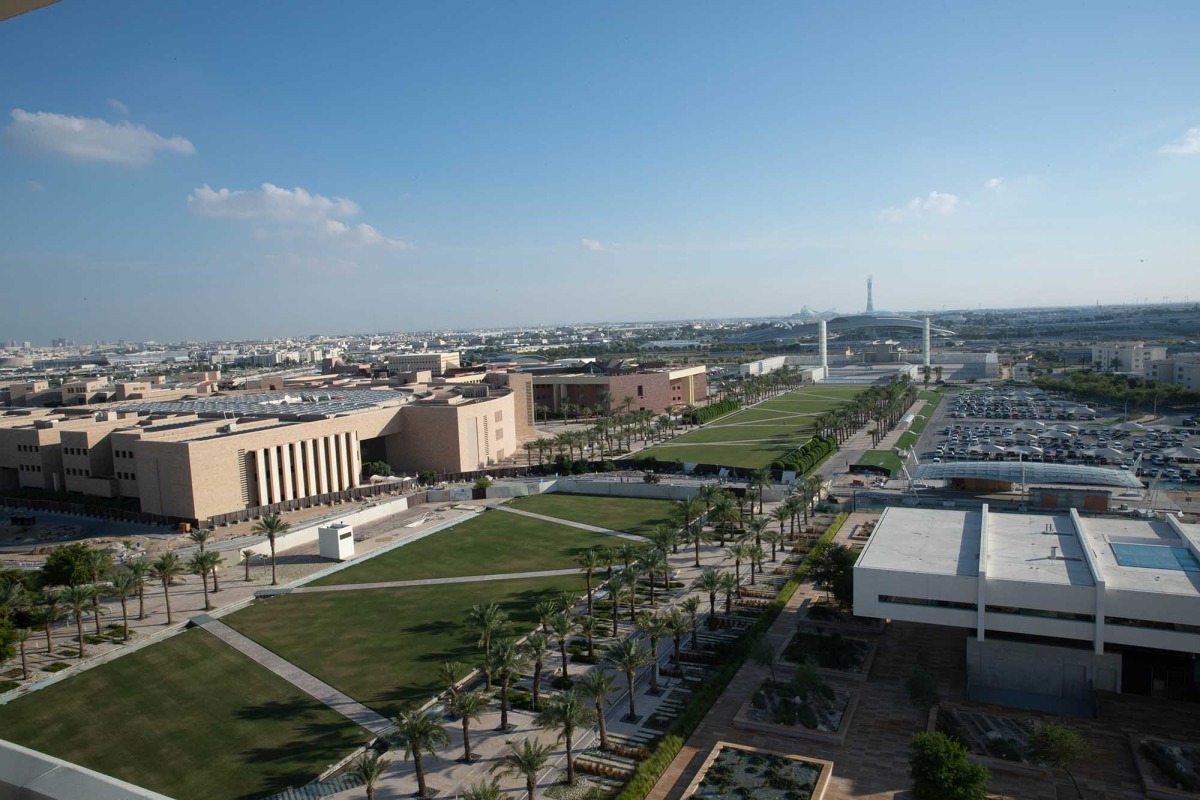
[336, 541]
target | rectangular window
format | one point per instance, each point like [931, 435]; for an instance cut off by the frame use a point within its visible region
[925, 601]
[640, 392]
[1040, 613]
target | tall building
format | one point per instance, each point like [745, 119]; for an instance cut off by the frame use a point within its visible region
[870, 299]
[1126, 357]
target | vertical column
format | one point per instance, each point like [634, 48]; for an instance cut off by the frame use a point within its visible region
[285, 466]
[823, 344]
[322, 467]
[260, 472]
[273, 474]
[355, 458]
[335, 484]
[298, 467]
[927, 341]
[310, 469]
[981, 599]
[343, 461]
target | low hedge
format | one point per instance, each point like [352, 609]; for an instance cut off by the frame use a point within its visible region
[699, 416]
[650, 770]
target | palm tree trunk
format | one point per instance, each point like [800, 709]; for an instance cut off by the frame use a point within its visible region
[24, 665]
[600, 722]
[504, 704]
[247, 570]
[274, 579]
[530, 786]
[420, 773]
[616, 611]
[124, 620]
[537, 682]
[79, 630]
[142, 601]
[466, 723]
[632, 703]
[96, 611]
[568, 732]
[562, 646]
[653, 665]
[697, 543]
[204, 583]
[167, 596]
[49, 639]
[712, 611]
[216, 586]
[588, 578]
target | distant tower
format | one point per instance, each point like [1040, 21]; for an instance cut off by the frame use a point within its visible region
[926, 337]
[823, 345]
[870, 301]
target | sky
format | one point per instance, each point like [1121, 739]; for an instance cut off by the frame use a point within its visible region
[221, 170]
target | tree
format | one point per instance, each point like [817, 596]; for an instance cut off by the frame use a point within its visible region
[922, 689]
[484, 790]
[140, 570]
[482, 482]
[505, 663]
[76, 598]
[763, 654]
[691, 606]
[589, 627]
[22, 636]
[654, 563]
[468, 706]
[98, 565]
[123, 585]
[653, 627]
[369, 768]
[589, 562]
[66, 565]
[616, 588]
[380, 468]
[200, 536]
[710, 582]
[677, 625]
[596, 685]
[562, 626]
[201, 564]
[740, 553]
[566, 712]
[1058, 746]
[421, 732]
[731, 588]
[628, 658]
[49, 611]
[247, 557]
[527, 760]
[940, 770]
[450, 673]
[489, 622]
[664, 538]
[166, 568]
[272, 526]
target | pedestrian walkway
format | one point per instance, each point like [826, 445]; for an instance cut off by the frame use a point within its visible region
[499, 576]
[582, 526]
[344, 705]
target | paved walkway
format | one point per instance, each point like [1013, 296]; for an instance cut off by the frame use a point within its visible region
[354, 711]
[499, 576]
[582, 526]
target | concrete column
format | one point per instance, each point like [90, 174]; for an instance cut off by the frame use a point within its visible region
[927, 341]
[322, 467]
[298, 467]
[273, 474]
[355, 458]
[823, 344]
[285, 465]
[335, 483]
[981, 599]
[343, 461]
[310, 468]
[260, 472]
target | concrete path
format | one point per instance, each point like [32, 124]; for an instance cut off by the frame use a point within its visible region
[348, 708]
[500, 576]
[582, 526]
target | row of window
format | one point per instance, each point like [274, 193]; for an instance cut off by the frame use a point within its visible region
[127, 476]
[122, 454]
[83, 473]
[925, 601]
[75, 451]
[1041, 613]
[31, 468]
[28, 448]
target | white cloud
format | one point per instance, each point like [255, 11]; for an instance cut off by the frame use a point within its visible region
[292, 210]
[87, 139]
[35, 187]
[1189, 145]
[935, 202]
[591, 244]
[118, 106]
[994, 183]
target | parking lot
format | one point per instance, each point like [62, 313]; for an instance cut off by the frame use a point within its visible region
[1030, 425]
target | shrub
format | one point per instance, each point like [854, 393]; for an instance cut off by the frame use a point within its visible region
[8, 686]
[922, 688]
[940, 770]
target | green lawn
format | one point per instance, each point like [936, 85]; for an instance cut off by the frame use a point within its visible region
[906, 440]
[189, 717]
[383, 646]
[881, 458]
[494, 541]
[757, 436]
[629, 514]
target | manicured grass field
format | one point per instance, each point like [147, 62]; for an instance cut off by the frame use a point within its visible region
[629, 514]
[755, 437]
[383, 646]
[494, 541]
[881, 458]
[189, 717]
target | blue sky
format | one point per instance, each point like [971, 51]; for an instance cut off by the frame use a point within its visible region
[222, 170]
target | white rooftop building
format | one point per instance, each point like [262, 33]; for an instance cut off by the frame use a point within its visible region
[1056, 606]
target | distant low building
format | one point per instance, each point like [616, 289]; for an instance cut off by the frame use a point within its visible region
[1127, 357]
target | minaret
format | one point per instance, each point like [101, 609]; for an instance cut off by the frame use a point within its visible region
[927, 342]
[823, 345]
[870, 301]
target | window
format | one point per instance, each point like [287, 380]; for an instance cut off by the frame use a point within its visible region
[925, 601]
[640, 391]
[500, 416]
[499, 433]
[1041, 613]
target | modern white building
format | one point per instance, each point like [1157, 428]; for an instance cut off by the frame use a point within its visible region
[1056, 606]
[1128, 357]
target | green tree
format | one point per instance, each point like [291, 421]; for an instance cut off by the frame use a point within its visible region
[628, 657]
[922, 687]
[489, 622]
[77, 598]
[597, 684]
[272, 526]
[373, 468]
[710, 583]
[526, 760]
[566, 712]
[562, 625]
[1058, 746]
[468, 707]
[140, 570]
[537, 647]
[653, 627]
[421, 732]
[484, 790]
[588, 561]
[691, 607]
[49, 611]
[450, 673]
[123, 585]
[166, 568]
[21, 636]
[589, 627]
[98, 564]
[66, 565]
[201, 564]
[247, 558]
[369, 768]
[505, 663]
[940, 770]
[200, 536]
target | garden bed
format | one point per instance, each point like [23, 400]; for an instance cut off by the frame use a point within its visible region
[997, 742]
[1168, 770]
[827, 615]
[736, 772]
[834, 655]
[806, 707]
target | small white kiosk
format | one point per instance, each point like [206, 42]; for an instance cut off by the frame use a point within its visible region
[336, 541]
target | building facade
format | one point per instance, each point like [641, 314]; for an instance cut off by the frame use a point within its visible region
[653, 390]
[1181, 369]
[436, 363]
[1127, 357]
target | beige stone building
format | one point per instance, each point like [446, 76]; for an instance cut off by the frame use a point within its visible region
[437, 363]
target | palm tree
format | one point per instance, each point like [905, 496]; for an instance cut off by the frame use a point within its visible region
[468, 706]
[563, 625]
[566, 712]
[589, 562]
[775, 539]
[760, 481]
[597, 685]
[616, 588]
[98, 564]
[537, 647]
[608, 558]
[369, 768]
[527, 761]
[628, 553]
[13, 598]
[544, 610]
[201, 564]
[758, 527]
[272, 526]
[450, 673]
[140, 570]
[123, 585]
[654, 563]
[489, 622]
[421, 732]
[166, 568]
[247, 557]
[505, 663]
[628, 657]
[691, 606]
[677, 624]
[77, 598]
[484, 790]
[22, 636]
[50, 611]
[731, 588]
[740, 553]
[756, 558]
[781, 514]
[200, 536]
[654, 627]
[710, 581]
[707, 495]
[633, 574]
[588, 626]
[664, 538]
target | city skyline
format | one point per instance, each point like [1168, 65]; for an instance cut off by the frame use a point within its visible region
[410, 168]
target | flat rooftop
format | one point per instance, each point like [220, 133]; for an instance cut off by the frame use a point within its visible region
[295, 403]
[916, 540]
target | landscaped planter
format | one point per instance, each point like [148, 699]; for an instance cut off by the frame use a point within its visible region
[842, 622]
[735, 772]
[1154, 776]
[837, 710]
[858, 671]
[970, 725]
